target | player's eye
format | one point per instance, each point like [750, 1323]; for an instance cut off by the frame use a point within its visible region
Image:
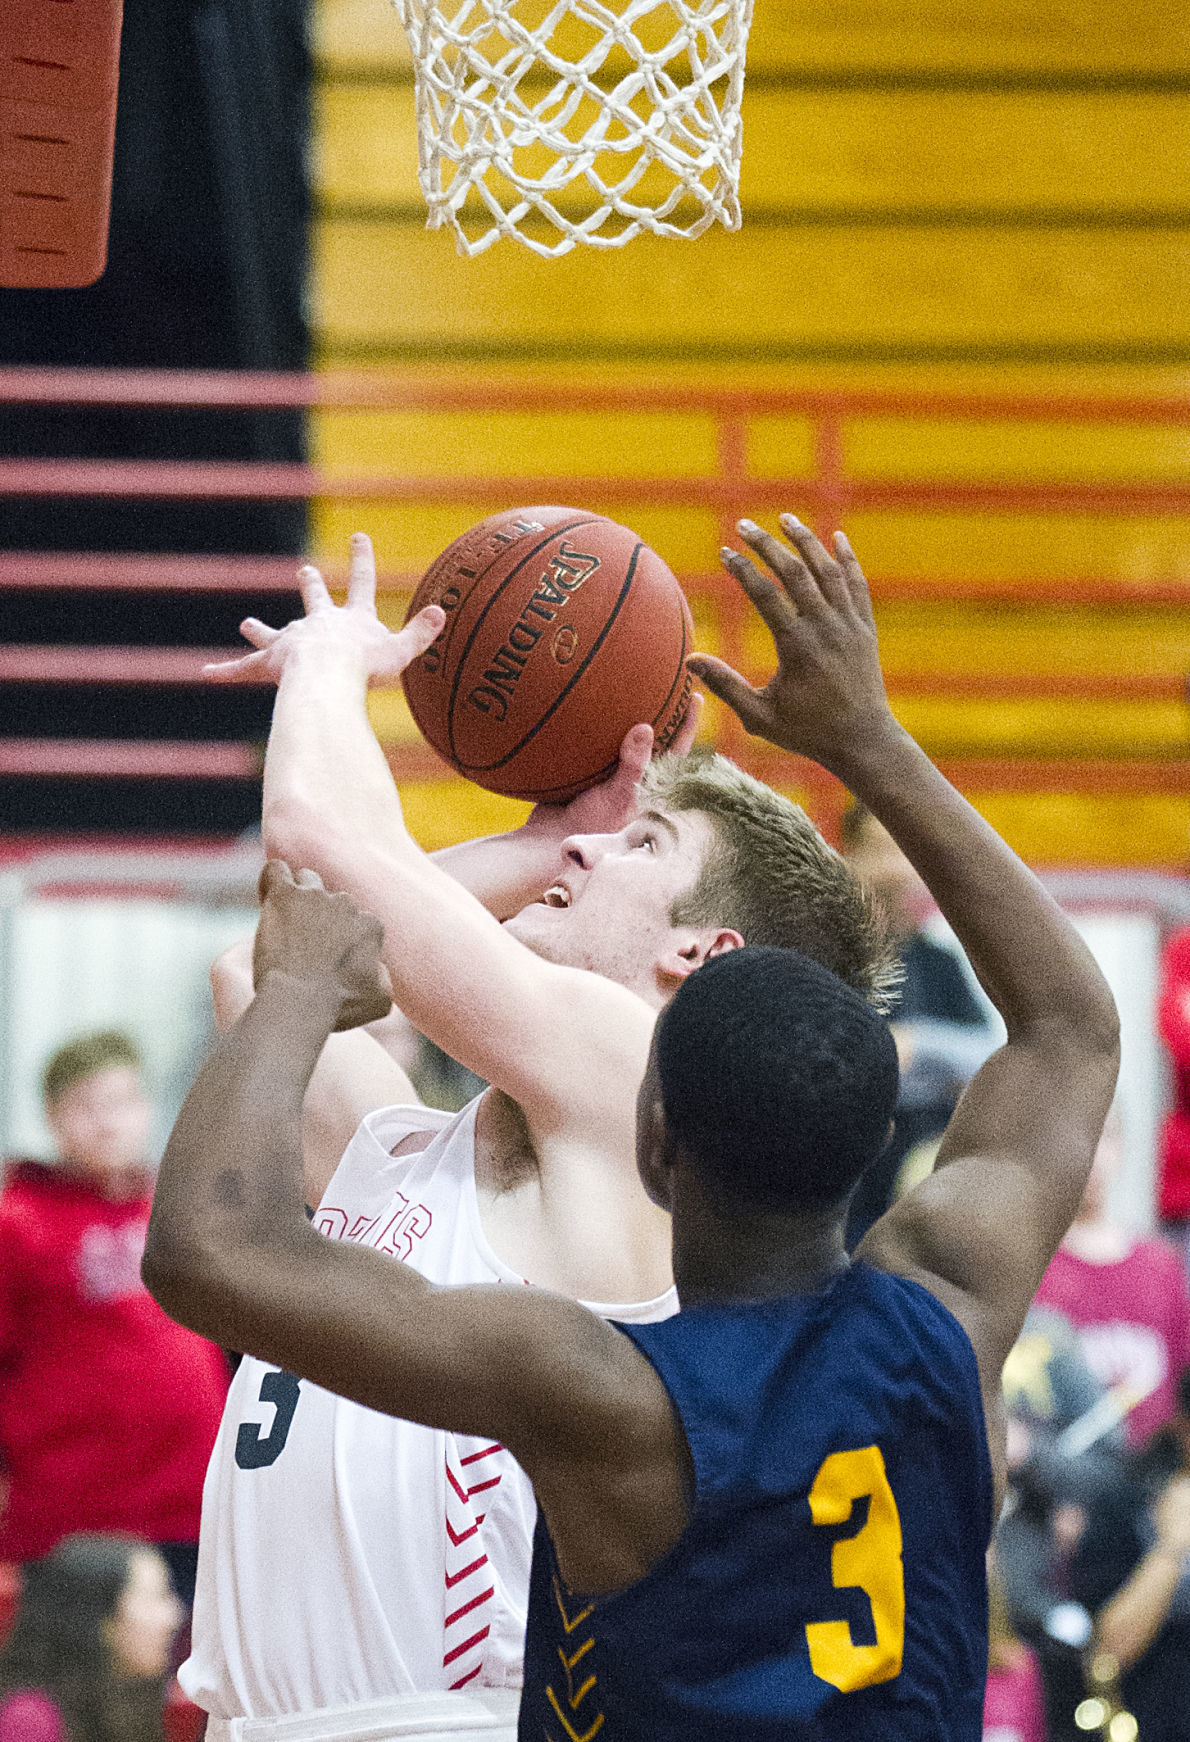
[647, 840]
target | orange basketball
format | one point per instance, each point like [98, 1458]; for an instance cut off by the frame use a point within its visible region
[563, 629]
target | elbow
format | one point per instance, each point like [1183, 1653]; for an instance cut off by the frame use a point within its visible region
[1104, 1023]
[294, 830]
[184, 1282]
[1087, 1029]
[164, 1278]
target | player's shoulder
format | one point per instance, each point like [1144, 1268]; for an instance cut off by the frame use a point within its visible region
[915, 1303]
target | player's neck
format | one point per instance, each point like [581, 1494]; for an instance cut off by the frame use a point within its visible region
[740, 1256]
[117, 1184]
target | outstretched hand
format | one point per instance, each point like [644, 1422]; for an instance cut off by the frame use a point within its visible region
[609, 807]
[311, 935]
[826, 696]
[353, 628]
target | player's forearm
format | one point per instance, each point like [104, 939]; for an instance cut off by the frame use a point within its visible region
[328, 790]
[230, 1183]
[326, 780]
[1028, 956]
[1128, 1624]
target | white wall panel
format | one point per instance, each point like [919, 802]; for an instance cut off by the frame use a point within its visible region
[77, 965]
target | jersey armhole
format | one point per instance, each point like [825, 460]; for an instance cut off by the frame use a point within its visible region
[956, 1333]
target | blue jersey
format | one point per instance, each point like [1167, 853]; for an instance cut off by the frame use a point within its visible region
[830, 1584]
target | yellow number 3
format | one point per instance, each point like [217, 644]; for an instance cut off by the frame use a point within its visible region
[870, 1559]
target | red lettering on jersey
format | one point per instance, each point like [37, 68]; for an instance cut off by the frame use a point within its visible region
[415, 1224]
[408, 1222]
[387, 1239]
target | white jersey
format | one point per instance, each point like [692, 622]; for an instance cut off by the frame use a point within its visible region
[346, 1556]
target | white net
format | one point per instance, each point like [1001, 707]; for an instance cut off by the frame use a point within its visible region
[565, 121]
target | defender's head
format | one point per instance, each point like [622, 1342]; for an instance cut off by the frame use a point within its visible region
[772, 1080]
[713, 860]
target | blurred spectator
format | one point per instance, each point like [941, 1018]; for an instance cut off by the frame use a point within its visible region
[1132, 1570]
[1173, 1024]
[1014, 1705]
[1127, 1299]
[87, 1659]
[943, 1033]
[108, 1410]
[1064, 1447]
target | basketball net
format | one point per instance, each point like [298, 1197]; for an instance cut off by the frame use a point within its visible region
[564, 121]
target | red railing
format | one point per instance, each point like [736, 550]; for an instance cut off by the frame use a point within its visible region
[826, 494]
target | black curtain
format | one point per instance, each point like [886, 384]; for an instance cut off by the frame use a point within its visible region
[206, 270]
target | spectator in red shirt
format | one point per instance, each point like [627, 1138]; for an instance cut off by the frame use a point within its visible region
[108, 1410]
[1127, 1300]
[87, 1659]
[1173, 1024]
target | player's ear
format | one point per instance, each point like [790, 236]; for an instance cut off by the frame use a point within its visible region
[652, 1150]
[688, 947]
[652, 1160]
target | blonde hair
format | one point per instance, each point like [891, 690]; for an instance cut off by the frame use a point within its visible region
[107, 1050]
[771, 876]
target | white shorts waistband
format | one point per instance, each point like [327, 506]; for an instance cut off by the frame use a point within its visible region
[485, 1715]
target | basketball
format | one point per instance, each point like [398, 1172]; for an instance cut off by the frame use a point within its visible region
[563, 630]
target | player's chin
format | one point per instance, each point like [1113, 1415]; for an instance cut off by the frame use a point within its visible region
[537, 927]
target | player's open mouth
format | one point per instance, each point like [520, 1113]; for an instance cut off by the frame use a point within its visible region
[557, 896]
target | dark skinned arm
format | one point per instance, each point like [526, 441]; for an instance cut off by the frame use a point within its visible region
[231, 1254]
[981, 1230]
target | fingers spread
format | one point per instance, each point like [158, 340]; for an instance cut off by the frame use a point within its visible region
[796, 581]
[315, 593]
[688, 730]
[258, 633]
[826, 572]
[361, 574]
[772, 601]
[727, 684]
[856, 579]
[251, 668]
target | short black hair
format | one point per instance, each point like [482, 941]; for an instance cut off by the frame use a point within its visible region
[778, 1081]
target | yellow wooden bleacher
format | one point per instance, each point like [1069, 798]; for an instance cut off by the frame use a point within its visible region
[987, 197]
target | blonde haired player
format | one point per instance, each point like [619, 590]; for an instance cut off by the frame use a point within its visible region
[359, 1573]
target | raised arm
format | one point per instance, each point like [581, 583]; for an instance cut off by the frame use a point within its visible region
[981, 1230]
[354, 1075]
[543, 1033]
[231, 1254]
